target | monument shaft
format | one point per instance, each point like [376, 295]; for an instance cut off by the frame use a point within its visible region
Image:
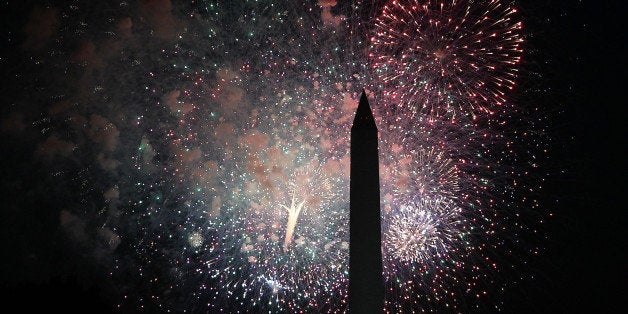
[366, 287]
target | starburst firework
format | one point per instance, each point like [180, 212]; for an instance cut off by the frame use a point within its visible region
[424, 231]
[447, 57]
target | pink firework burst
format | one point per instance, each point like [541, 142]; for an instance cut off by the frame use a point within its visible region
[447, 57]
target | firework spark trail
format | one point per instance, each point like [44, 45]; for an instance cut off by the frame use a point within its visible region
[293, 214]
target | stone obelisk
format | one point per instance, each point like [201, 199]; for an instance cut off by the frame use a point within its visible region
[366, 286]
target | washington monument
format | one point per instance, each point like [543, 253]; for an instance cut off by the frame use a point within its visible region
[366, 286]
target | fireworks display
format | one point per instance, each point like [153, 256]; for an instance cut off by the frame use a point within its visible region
[211, 141]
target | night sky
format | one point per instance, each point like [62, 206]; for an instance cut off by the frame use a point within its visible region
[154, 155]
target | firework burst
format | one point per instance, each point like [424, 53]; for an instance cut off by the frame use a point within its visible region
[424, 231]
[422, 172]
[447, 57]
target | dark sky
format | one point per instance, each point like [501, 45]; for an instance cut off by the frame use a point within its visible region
[583, 267]
[580, 52]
